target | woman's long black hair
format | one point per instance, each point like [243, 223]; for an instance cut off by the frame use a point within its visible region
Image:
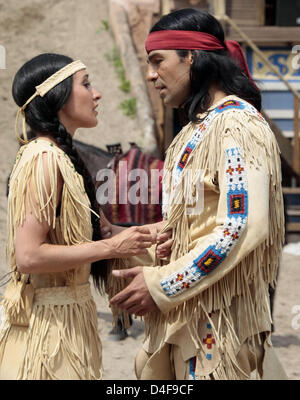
[208, 67]
[42, 117]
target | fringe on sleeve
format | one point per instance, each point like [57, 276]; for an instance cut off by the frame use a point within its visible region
[28, 181]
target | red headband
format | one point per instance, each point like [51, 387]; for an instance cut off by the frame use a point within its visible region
[194, 40]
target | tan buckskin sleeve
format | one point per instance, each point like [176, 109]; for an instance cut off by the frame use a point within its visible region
[241, 225]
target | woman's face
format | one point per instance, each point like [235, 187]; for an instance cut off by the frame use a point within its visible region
[80, 109]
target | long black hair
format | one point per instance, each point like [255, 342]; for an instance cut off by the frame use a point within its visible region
[208, 67]
[42, 117]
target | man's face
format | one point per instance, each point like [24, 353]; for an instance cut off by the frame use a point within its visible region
[170, 75]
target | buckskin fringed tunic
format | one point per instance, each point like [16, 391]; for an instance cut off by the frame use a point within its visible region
[213, 293]
[61, 341]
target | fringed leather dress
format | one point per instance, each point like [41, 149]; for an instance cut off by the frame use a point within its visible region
[61, 338]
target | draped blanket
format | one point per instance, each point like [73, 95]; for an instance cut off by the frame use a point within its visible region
[137, 189]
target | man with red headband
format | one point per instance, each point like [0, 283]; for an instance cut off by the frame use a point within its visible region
[206, 310]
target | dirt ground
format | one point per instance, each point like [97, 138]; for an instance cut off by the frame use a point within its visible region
[77, 29]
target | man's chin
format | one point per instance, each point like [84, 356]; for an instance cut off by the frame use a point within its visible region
[166, 100]
[169, 103]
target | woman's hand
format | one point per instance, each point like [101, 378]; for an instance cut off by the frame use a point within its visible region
[131, 242]
[164, 240]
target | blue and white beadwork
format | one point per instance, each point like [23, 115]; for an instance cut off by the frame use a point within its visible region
[234, 225]
[230, 104]
[202, 130]
[192, 375]
[196, 138]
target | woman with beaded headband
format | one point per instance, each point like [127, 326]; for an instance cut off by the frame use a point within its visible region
[54, 240]
[207, 312]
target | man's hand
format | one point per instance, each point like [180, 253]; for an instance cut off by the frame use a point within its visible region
[135, 298]
[164, 244]
[164, 240]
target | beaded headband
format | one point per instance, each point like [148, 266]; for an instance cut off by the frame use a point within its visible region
[44, 88]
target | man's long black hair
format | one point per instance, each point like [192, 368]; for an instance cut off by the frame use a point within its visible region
[42, 117]
[208, 67]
